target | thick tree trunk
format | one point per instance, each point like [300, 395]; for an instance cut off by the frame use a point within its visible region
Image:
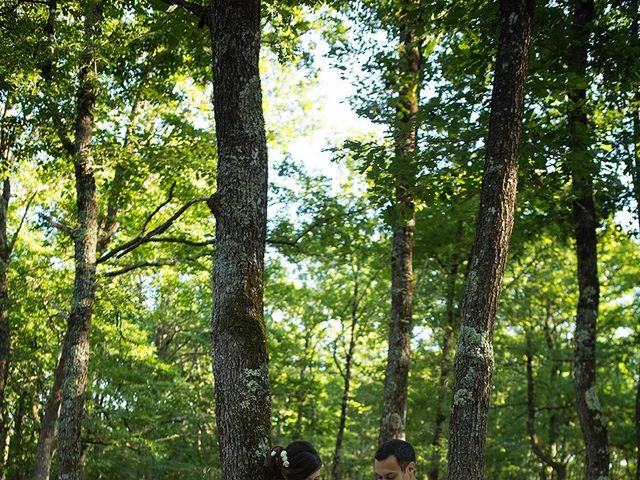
[474, 356]
[5, 339]
[46, 439]
[346, 392]
[79, 323]
[242, 390]
[445, 371]
[594, 429]
[394, 401]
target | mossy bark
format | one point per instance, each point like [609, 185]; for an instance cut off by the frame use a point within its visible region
[394, 400]
[85, 240]
[474, 356]
[242, 390]
[582, 168]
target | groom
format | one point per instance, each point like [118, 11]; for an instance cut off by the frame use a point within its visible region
[395, 459]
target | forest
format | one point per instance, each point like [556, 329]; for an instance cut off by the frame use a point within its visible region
[204, 254]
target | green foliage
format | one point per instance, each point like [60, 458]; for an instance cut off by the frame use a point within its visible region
[150, 410]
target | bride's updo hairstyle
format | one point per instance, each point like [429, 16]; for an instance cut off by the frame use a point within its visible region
[295, 462]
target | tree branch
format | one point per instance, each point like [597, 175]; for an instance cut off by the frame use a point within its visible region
[312, 226]
[199, 11]
[184, 241]
[12, 243]
[58, 225]
[148, 264]
[127, 247]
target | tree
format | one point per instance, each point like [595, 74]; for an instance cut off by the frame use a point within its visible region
[394, 400]
[243, 403]
[593, 425]
[474, 355]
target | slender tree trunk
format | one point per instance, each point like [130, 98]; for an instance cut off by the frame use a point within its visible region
[474, 356]
[394, 401]
[335, 467]
[594, 429]
[554, 374]
[445, 371]
[5, 339]
[16, 448]
[242, 390]
[46, 439]
[634, 169]
[79, 323]
[300, 394]
[546, 458]
[638, 428]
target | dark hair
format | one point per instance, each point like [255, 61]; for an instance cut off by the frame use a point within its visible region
[402, 450]
[302, 457]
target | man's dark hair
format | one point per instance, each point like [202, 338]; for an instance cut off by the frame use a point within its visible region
[402, 450]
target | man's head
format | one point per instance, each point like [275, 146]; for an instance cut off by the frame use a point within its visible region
[395, 460]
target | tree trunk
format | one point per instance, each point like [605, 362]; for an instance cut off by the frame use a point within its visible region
[300, 394]
[242, 390]
[445, 369]
[546, 458]
[335, 467]
[5, 339]
[394, 401]
[46, 439]
[474, 356]
[79, 323]
[16, 449]
[638, 428]
[554, 373]
[594, 429]
[634, 169]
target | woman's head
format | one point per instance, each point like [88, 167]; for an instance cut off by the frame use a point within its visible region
[297, 461]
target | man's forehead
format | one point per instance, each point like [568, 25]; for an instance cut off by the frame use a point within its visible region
[389, 464]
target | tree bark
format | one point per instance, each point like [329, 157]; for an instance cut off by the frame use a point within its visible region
[346, 392]
[5, 339]
[581, 165]
[445, 370]
[474, 356]
[394, 400]
[46, 439]
[85, 239]
[242, 390]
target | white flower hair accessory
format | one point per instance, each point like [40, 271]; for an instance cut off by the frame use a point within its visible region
[285, 459]
[273, 453]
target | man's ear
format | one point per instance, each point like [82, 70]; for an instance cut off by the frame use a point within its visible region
[411, 468]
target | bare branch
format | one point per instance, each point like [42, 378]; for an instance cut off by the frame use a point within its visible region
[134, 243]
[154, 264]
[12, 243]
[162, 205]
[312, 226]
[184, 241]
[58, 225]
